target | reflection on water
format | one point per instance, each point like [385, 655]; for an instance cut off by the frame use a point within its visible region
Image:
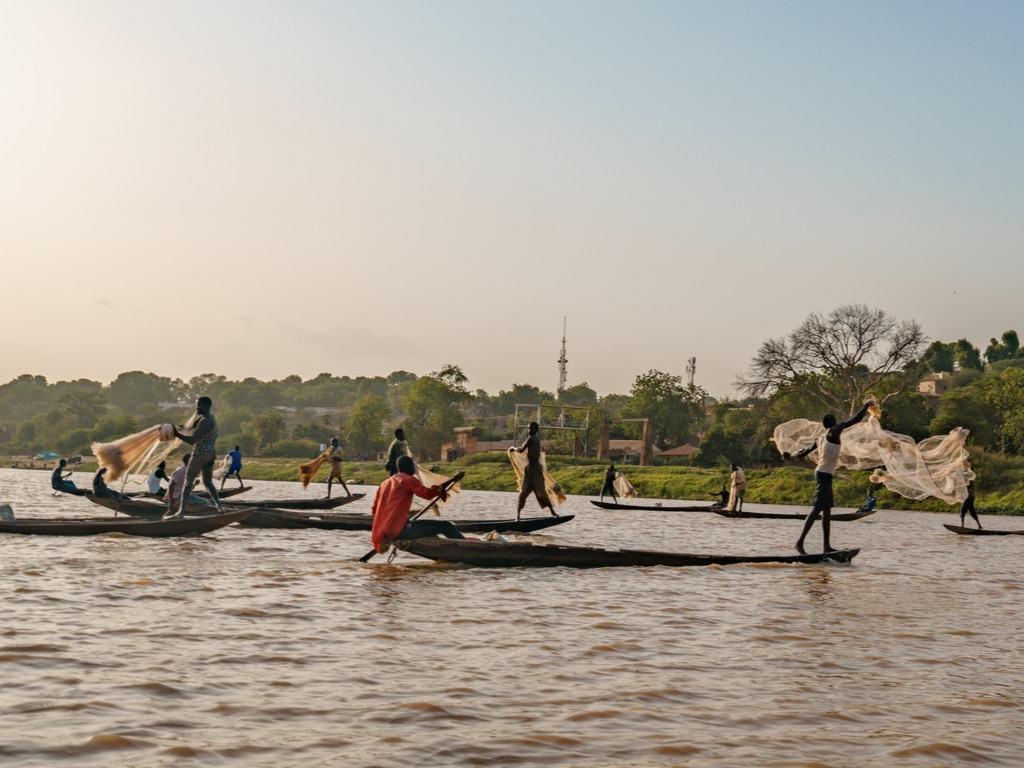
[276, 648]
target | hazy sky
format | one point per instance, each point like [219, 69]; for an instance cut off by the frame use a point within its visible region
[273, 188]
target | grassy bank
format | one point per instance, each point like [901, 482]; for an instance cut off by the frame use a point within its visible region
[584, 477]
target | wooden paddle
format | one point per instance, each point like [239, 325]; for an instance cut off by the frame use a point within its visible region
[445, 486]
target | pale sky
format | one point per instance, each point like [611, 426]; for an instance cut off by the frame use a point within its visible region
[273, 188]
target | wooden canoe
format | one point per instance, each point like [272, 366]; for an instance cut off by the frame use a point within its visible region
[840, 516]
[668, 506]
[150, 508]
[303, 504]
[496, 554]
[132, 526]
[362, 521]
[981, 531]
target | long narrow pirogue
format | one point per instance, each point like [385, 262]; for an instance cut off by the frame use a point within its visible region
[840, 516]
[667, 506]
[150, 508]
[363, 521]
[131, 526]
[981, 531]
[503, 554]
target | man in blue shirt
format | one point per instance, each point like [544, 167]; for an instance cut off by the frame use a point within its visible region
[235, 468]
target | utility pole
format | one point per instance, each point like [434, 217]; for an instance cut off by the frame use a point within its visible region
[562, 360]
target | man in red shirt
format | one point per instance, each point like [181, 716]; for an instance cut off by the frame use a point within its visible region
[391, 508]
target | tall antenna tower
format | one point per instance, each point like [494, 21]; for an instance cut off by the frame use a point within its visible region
[691, 369]
[562, 360]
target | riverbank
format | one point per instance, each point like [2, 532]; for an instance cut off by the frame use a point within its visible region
[791, 485]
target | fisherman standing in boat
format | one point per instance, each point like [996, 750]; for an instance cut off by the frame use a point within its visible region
[391, 508]
[609, 483]
[398, 447]
[533, 475]
[737, 487]
[336, 455]
[968, 505]
[828, 447]
[201, 434]
[234, 467]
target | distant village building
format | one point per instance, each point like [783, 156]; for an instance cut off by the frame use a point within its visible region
[933, 387]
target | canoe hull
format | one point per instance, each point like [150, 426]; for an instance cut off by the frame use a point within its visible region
[981, 531]
[669, 507]
[492, 554]
[153, 509]
[131, 526]
[361, 521]
[836, 516]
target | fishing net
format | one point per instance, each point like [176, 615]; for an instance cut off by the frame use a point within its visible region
[519, 462]
[139, 452]
[623, 487]
[937, 467]
[225, 465]
[308, 470]
[429, 478]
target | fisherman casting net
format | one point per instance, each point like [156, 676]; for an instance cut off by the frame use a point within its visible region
[937, 467]
[519, 462]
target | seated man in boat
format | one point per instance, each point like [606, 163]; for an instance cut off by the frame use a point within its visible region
[99, 486]
[391, 508]
[59, 480]
[158, 474]
[609, 484]
[723, 498]
[177, 482]
[869, 504]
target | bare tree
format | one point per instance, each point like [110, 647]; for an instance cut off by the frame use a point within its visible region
[840, 358]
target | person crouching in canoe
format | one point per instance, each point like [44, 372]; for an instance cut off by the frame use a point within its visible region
[391, 508]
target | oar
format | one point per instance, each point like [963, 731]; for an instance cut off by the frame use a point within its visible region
[445, 486]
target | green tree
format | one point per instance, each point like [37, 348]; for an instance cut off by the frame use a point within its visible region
[963, 407]
[433, 409]
[1003, 393]
[967, 355]
[84, 406]
[267, 428]
[579, 395]
[939, 358]
[135, 391]
[364, 429]
[113, 427]
[1006, 349]
[675, 411]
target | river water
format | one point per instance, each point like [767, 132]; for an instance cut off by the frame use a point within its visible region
[252, 647]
